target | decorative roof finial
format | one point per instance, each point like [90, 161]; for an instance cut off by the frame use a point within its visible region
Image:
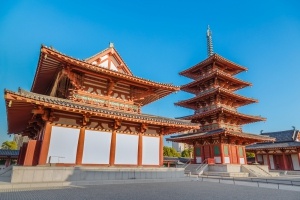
[111, 44]
[210, 50]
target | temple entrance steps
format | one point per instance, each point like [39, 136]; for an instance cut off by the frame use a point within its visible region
[195, 169]
[6, 172]
[226, 174]
[258, 171]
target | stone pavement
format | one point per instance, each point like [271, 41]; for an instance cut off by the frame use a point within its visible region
[183, 190]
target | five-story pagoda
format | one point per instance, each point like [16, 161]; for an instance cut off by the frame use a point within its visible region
[220, 138]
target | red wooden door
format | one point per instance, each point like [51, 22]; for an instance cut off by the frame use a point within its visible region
[234, 155]
[206, 151]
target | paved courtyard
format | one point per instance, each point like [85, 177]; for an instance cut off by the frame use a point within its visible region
[189, 190]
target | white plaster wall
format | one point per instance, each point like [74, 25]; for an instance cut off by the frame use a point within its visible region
[150, 155]
[295, 161]
[265, 158]
[217, 159]
[96, 147]
[126, 149]
[226, 160]
[271, 162]
[63, 144]
[198, 160]
[259, 158]
[242, 161]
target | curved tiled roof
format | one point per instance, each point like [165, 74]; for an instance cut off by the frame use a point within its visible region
[211, 59]
[56, 103]
[8, 152]
[191, 136]
[213, 91]
[284, 139]
[217, 73]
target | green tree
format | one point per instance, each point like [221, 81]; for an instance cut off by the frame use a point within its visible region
[186, 153]
[170, 152]
[11, 145]
[250, 155]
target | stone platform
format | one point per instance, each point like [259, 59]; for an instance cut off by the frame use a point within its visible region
[39, 174]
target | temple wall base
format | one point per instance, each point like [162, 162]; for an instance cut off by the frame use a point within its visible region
[23, 174]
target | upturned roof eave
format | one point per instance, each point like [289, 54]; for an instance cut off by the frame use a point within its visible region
[91, 67]
[44, 100]
[214, 57]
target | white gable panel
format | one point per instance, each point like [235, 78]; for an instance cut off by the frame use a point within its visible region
[96, 147]
[63, 145]
[126, 149]
[104, 64]
[150, 150]
[113, 67]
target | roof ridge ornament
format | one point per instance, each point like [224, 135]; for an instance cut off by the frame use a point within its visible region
[210, 50]
[111, 44]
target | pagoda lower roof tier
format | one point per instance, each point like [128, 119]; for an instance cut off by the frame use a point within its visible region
[51, 61]
[187, 138]
[20, 105]
[227, 113]
[227, 81]
[238, 100]
[224, 64]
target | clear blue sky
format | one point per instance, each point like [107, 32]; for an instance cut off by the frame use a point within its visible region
[158, 39]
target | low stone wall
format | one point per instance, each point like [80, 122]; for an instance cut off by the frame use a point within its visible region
[22, 174]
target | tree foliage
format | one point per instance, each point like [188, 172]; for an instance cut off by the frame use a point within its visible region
[170, 152]
[11, 145]
[250, 155]
[186, 153]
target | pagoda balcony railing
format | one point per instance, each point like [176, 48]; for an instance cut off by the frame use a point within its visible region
[107, 103]
[203, 92]
[231, 127]
[209, 127]
[212, 107]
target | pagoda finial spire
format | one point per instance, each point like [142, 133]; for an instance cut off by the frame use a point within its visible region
[210, 50]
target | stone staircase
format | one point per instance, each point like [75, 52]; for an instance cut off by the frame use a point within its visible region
[195, 169]
[258, 171]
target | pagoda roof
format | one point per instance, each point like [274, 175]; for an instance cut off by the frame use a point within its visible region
[51, 62]
[213, 58]
[19, 106]
[216, 73]
[245, 118]
[243, 100]
[199, 135]
[284, 140]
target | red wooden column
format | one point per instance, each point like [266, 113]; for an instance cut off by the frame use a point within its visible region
[140, 150]
[161, 150]
[245, 156]
[45, 144]
[222, 153]
[255, 154]
[268, 159]
[298, 153]
[80, 146]
[284, 160]
[7, 162]
[113, 148]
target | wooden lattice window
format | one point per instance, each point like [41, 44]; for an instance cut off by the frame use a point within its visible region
[198, 151]
[226, 152]
[241, 152]
[216, 150]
